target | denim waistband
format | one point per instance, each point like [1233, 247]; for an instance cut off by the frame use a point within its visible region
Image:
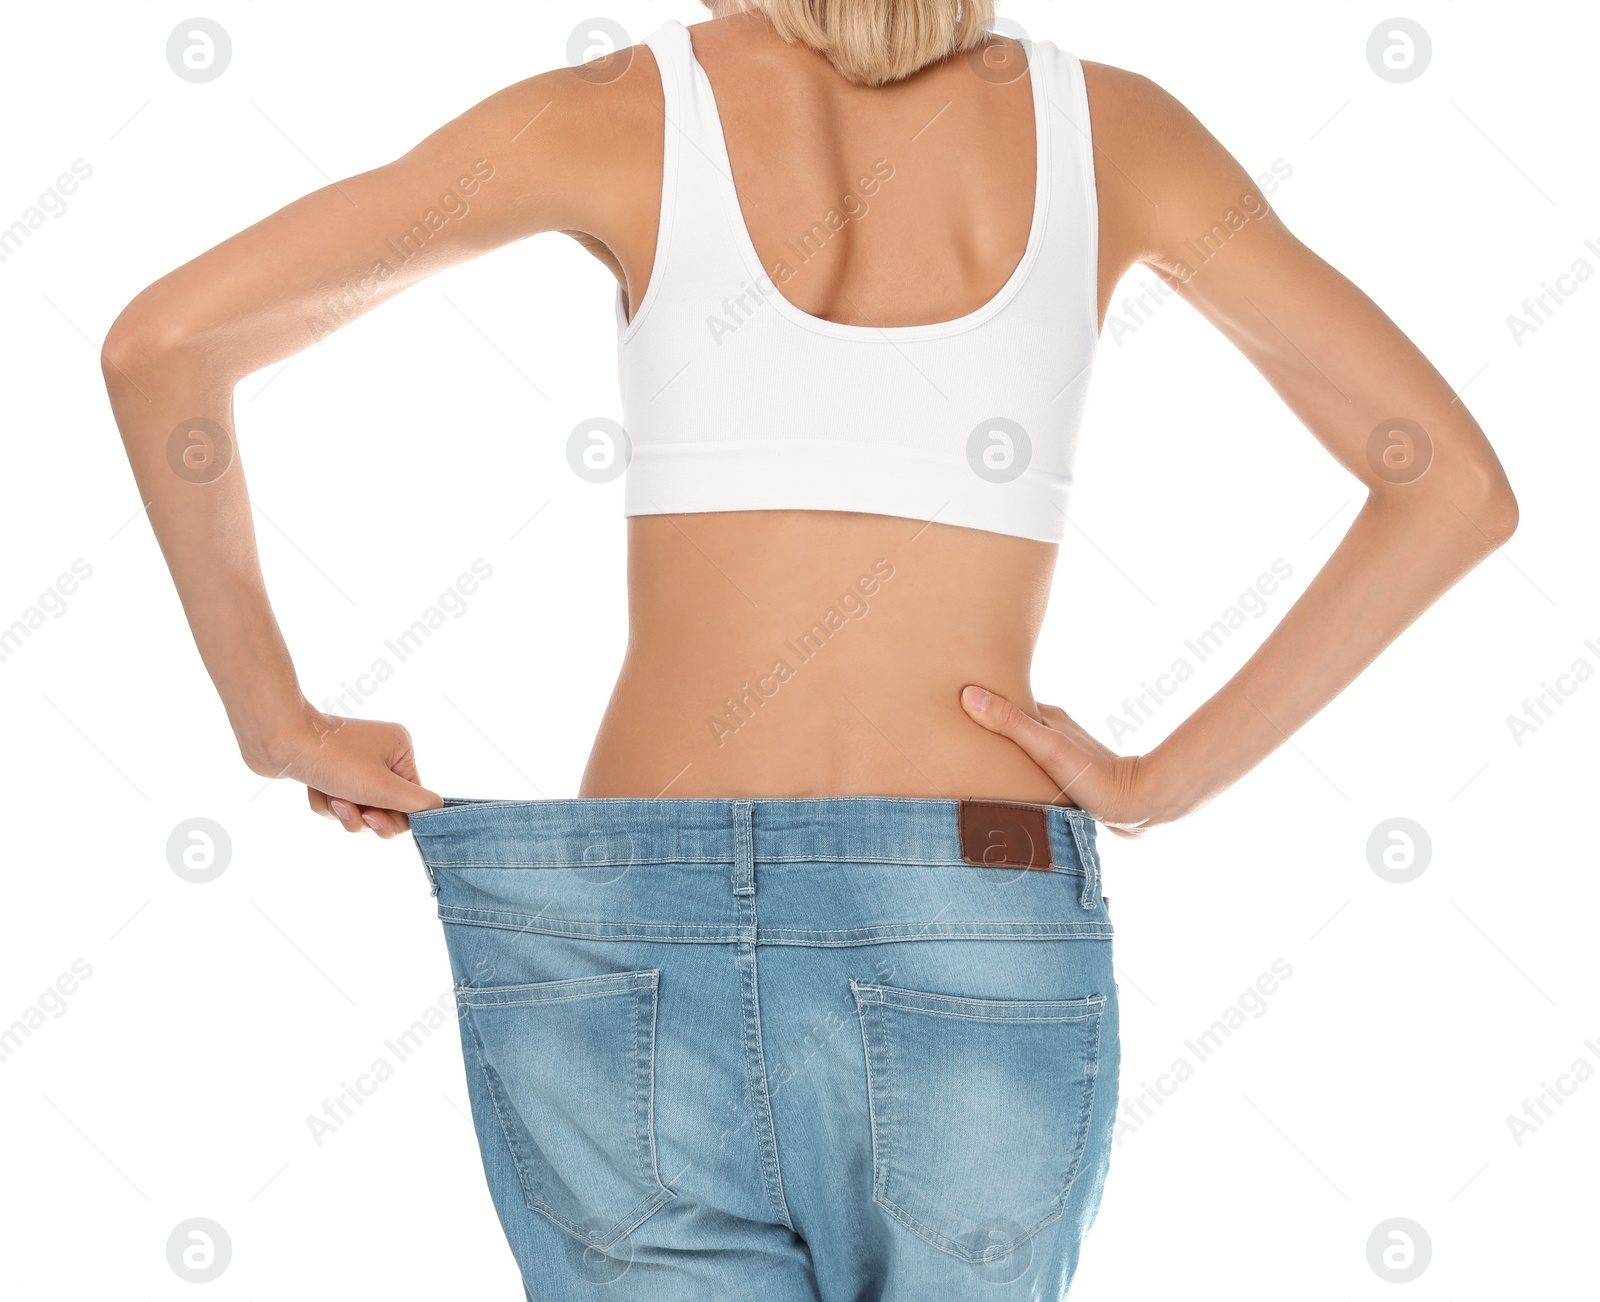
[589, 832]
[889, 866]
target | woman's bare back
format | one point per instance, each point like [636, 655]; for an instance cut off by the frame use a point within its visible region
[821, 652]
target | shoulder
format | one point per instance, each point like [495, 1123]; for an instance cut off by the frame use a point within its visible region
[591, 112]
[1135, 116]
[1158, 170]
[565, 146]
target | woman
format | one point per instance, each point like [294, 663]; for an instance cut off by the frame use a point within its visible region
[809, 994]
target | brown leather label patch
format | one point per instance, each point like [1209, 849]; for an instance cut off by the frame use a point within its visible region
[997, 834]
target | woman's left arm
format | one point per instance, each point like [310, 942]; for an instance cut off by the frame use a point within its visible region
[1437, 503]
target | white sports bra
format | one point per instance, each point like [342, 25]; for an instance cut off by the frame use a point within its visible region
[733, 399]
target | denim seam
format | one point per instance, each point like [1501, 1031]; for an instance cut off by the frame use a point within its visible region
[638, 1097]
[932, 1236]
[978, 1017]
[984, 922]
[1091, 1087]
[453, 911]
[1090, 1079]
[561, 923]
[582, 934]
[744, 892]
[554, 999]
[1091, 1075]
[632, 860]
[882, 936]
[650, 1092]
[730, 935]
[766, 1139]
[883, 993]
[875, 1108]
[622, 987]
[822, 860]
[886, 1053]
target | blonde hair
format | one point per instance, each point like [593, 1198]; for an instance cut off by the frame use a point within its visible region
[877, 41]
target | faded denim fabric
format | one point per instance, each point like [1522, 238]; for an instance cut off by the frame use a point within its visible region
[779, 1049]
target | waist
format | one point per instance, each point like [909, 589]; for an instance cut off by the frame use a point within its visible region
[836, 735]
[798, 653]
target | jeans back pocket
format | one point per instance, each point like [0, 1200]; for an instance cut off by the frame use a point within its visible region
[980, 1111]
[570, 1066]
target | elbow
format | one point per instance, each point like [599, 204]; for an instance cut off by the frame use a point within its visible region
[1465, 509]
[1492, 506]
[139, 342]
[1502, 516]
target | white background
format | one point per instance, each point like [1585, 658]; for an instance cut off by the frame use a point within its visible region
[177, 1079]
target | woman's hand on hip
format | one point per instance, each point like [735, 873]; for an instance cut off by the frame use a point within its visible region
[1118, 791]
[362, 772]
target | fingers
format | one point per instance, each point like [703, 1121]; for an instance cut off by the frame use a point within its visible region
[362, 818]
[1056, 746]
[383, 788]
[1046, 746]
[366, 818]
[367, 771]
[346, 813]
[388, 803]
[385, 822]
[328, 806]
[1056, 715]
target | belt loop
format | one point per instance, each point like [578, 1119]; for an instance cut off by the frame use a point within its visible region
[1083, 838]
[744, 856]
[433, 881]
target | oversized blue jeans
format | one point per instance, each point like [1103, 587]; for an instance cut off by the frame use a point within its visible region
[782, 1049]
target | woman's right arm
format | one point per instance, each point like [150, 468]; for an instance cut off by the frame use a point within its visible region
[560, 151]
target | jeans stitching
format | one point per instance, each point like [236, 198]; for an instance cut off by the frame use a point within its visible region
[650, 1094]
[632, 982]
[875, 1108]
[822, 859]
[451, 913]
[978, 1017]
[638, 1099]
[885, 994]
[720, 935]
[744, 894]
